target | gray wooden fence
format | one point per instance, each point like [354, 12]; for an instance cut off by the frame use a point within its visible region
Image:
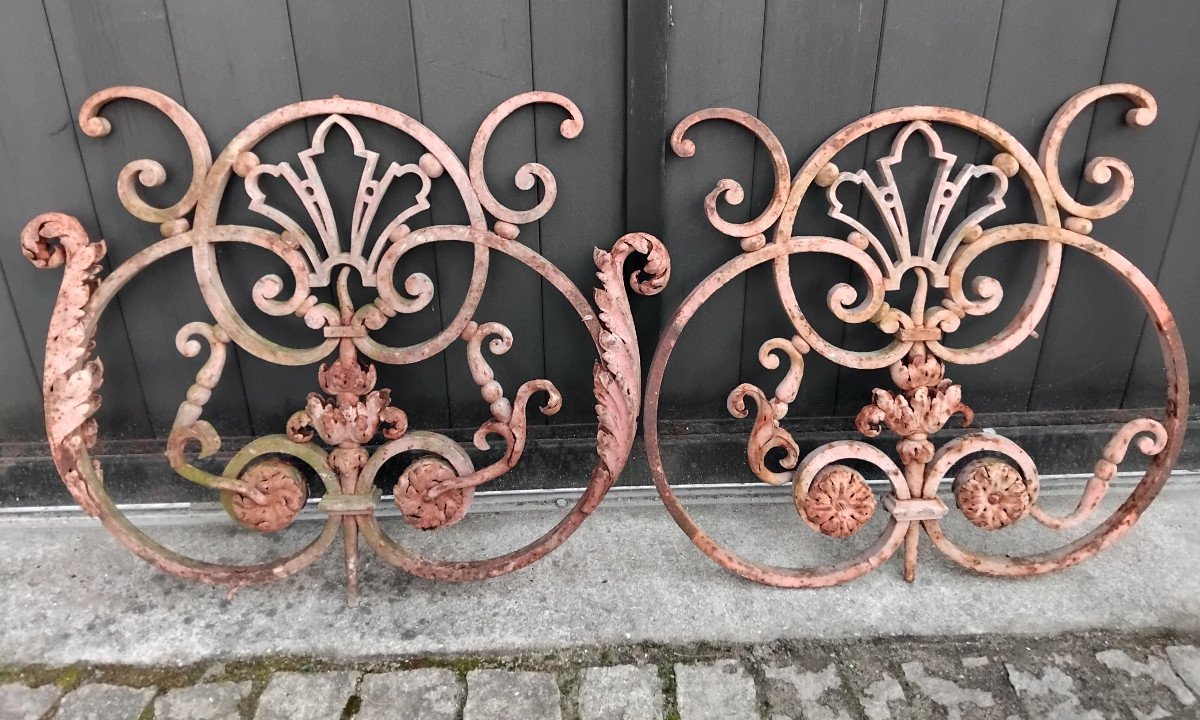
[806, 67]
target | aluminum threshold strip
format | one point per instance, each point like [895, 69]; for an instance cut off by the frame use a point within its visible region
[498, 501]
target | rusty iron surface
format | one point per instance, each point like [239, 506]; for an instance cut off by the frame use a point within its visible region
[330, 431]
[996, 483]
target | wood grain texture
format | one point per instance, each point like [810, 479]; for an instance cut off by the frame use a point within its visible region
[647, 27]
[364, 50]
[1094, 325]
[806, 67]
[471, 57]
[128, 42]
[931, 53]
[1177, 281]
[41, 170]
[1026, 88]
[835, 46]
[236, 64]
[578, 50]
[21, 409]
[713, 60]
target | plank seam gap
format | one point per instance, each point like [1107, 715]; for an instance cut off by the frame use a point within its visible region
[235, 358]
[1162, 259]
[235, 361]
[24, 341]
[762, 54]
[1049, 308]
[95, 216]
[1078, 180]
[981, 149]
[287, 10]
[645, 86]
[412, 26]
[12, 301]
[845, 327]
[543, 419]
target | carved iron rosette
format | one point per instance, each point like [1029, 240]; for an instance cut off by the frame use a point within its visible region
[997, 483]
[344, 435]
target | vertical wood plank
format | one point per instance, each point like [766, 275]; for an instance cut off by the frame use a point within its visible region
[127, 42]
[713, 59]
[1094, 326]
[931, 53]
[364, 50]
[936, 54]
[470, 58]
[836, 47]
[42, 172]
[21, 410]
[647, 26]
[235, 64]
[1177, 283]
[1028, 85]
[361, 50]
[579, 50]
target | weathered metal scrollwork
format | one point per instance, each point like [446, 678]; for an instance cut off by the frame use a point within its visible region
[263, 487]
[997, 484]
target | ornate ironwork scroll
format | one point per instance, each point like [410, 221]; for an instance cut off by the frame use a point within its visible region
[263, 487]
[996, 484]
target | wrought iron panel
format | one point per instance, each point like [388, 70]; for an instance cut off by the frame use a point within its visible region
[918, 238]
[264, 487]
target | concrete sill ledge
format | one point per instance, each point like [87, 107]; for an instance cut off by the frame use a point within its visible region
[628, 576]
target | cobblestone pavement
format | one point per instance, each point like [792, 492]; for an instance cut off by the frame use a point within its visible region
[1096, 676]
